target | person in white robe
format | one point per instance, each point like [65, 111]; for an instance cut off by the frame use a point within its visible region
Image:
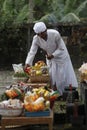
[57, 57]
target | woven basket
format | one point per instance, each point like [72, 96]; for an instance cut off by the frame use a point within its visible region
[39, 79]
[11, 112]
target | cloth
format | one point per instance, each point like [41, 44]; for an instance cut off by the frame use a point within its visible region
[60, 67]
[39, 27]
[62, 75]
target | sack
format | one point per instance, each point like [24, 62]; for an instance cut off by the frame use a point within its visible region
[18, 68]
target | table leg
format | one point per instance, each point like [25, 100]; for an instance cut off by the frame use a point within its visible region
[2, 127]
[50, 126]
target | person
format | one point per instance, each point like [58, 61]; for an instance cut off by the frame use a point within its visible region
[57, 57]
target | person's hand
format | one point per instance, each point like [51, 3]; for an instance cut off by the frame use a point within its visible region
[49, 57]
[26, 66]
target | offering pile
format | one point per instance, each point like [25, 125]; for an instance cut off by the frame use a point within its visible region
[83, 72]
[38, 73]
[20, 97]
[39, 99]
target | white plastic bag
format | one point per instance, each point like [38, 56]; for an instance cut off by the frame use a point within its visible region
[83, 68]
[18, 68]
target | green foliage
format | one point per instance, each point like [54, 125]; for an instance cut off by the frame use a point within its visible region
[81, 8]
[21, 75]
[70, 5]
[70, 17]
[13, 11]
[41, 8]
[49, 18]
[17, 11]
[66, 10]
[3, 97]
[6, 12]
[58, 6]
[22, 15]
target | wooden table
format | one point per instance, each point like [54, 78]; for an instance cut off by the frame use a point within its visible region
[8, 121]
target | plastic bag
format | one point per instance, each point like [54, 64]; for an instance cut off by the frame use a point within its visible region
[83, 68]
[18, 68]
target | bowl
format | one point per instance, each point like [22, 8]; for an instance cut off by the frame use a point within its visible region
[11, 112]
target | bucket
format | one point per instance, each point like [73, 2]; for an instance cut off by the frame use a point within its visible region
[70, 92]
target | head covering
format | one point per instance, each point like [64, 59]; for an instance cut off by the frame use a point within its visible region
[39, 27]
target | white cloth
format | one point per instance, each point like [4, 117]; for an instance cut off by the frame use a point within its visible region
[60, 67]
[39, 27]
[62, 75]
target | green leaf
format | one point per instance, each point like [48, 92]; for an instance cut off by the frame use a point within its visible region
[70, 17]
[23, 15]
[49, 18]
[80, 8]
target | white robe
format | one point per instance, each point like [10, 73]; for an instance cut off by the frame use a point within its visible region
[60, 67]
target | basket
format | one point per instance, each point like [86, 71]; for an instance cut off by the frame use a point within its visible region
[39, 79]
[11, 112]
[37, 114]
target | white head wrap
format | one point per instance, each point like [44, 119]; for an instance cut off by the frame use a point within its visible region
[39, 27]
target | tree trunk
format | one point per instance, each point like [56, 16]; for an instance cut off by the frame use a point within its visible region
[31, 6]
